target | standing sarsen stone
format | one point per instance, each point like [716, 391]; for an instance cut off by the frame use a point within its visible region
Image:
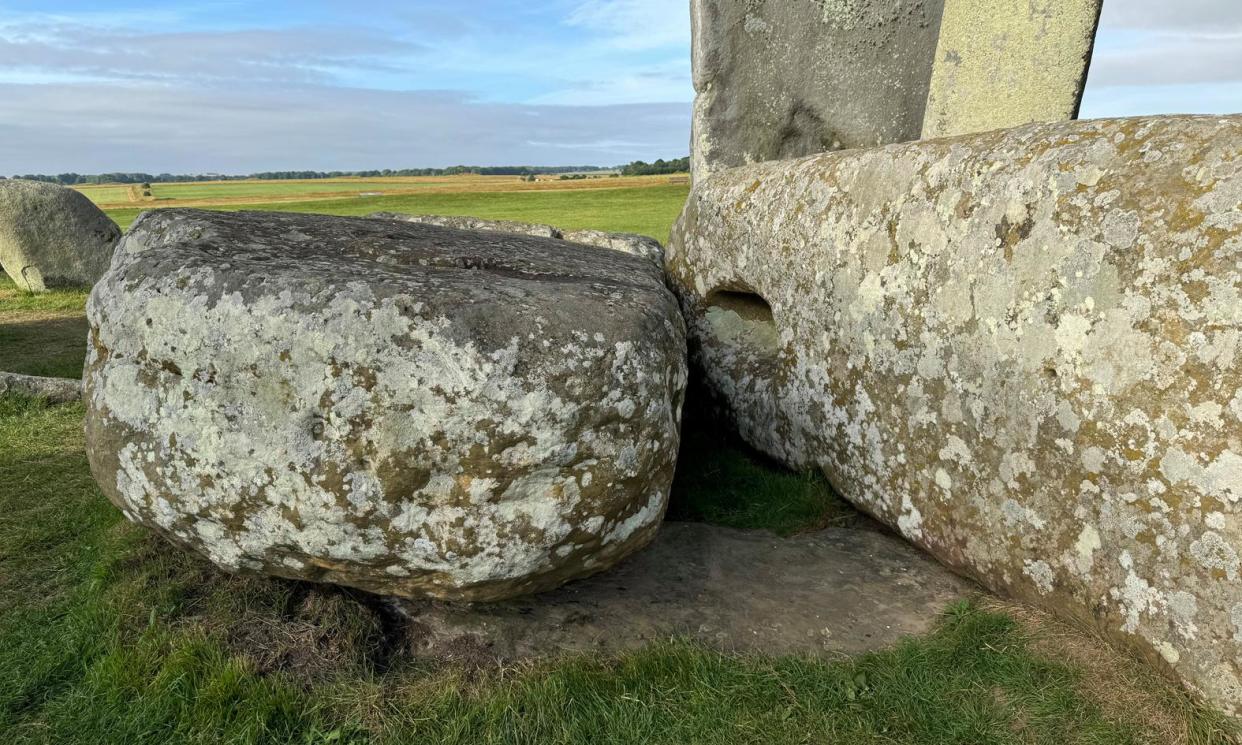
[408, 409]
[787, 78]
[1004, 63]
[1022, 349]
[781, 79]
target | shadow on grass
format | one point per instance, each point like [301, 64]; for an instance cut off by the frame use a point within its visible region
[53, 346]
[722, 480]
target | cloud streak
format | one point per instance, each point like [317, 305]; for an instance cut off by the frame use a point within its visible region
[314, 84]
[188, 85]
[252, 56]
[1159, 57]
[88, 128]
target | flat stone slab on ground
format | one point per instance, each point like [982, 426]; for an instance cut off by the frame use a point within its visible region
[55, 390]
[642, 246]
[834, 591]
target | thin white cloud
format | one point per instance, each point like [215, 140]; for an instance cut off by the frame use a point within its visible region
[243, 56]
[1171, 15]
[635, 24]
[102, 128]
[1169, 59]
[1162, 57]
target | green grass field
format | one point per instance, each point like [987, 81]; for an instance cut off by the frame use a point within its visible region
[108, 636]
[255, 189]
[647, 210]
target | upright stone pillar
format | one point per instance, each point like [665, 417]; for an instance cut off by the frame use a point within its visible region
[1004, 63]
[780, 79]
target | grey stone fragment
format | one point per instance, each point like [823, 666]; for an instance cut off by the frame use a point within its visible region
[631, 243]
[473, 223]
[55, 390]
[1018, 348]
[833, 592]
[780, 79]
[52, 236]
[404, 408]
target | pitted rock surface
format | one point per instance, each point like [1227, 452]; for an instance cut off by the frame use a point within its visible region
[403, 408]
[1019, 348]
[630, 243]
[474, 223]
[52, 236]
[836, 591]
[779, 79]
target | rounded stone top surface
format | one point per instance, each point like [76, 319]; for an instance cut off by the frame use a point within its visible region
[385, 250]
[403, 408]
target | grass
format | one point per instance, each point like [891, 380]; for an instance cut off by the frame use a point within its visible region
[720, 480]
[45, 334]
[213, 190]
[648, 210]
[106, 636]
[42, 334]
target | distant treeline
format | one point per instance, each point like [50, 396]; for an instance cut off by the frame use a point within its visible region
[637, 168]
[72, 179]
[640, 168]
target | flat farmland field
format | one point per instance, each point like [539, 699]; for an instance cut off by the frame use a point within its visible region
[639, 204]
[42, 335]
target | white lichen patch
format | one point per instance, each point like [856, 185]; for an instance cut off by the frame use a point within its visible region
[313, 402]
[1020, 348]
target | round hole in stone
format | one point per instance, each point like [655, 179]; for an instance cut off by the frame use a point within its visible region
[742, 320]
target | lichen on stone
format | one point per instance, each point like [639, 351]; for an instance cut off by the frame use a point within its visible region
[1019, 348]
[404, 408]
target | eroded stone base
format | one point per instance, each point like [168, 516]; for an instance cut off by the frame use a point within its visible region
[834, 591]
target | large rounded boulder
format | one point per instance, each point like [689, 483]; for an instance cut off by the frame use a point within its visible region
[404, 408]
[52, 236]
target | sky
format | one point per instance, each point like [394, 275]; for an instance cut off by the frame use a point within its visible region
[233, 86]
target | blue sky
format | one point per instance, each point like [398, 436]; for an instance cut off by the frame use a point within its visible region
[233, 86]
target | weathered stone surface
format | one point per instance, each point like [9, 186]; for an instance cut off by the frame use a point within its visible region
[837, 591]
[786, 78]
[473, 223]
[403, 408]
[55, 390]
[630, 243]
[51, 235]
[1004, 63]
[1019, 348]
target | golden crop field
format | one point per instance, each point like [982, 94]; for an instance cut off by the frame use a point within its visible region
[252, 191]
[634, 204]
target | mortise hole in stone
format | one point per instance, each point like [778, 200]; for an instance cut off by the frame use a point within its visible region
[743, 320]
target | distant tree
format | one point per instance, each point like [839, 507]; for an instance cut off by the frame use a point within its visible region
[528, 173]
[660, 167]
